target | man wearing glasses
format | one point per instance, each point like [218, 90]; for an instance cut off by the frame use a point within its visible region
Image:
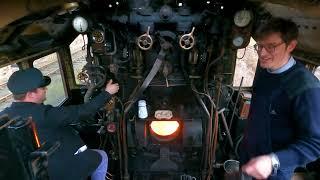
[283, 129]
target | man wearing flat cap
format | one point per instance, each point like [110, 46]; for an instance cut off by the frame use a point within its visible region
[29, 92]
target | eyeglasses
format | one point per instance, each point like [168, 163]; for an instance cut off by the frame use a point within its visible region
[270, 48]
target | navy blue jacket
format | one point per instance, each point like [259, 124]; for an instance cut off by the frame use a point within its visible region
[284, 118]
[52, 123]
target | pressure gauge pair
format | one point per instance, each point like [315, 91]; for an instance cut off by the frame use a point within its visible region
[241, 19]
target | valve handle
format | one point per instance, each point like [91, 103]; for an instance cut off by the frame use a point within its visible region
[145, 41]
[187, 40]
[83, 77]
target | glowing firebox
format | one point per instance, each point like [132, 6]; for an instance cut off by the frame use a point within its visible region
[164, 130]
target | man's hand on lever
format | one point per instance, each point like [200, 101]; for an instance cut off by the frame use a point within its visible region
[259, 167]
[112, 88]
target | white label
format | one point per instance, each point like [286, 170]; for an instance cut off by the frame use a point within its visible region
[163, 114]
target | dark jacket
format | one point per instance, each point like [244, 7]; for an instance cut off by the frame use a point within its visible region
[53, 125]
[284, 119]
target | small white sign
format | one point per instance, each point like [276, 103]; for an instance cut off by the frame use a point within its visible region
[163, 114]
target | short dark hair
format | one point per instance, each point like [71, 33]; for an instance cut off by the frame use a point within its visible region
[23, 95]
[288, 29]
[19, 96]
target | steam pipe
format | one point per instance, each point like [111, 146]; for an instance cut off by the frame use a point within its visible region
[224, 121]
[235, 104]
[202, 103]
[214, 137]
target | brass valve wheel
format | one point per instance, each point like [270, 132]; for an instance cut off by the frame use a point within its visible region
[187, 40]
[145, 41]
[83, 77]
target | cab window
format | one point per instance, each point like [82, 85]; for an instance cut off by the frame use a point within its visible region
[78, 50]
[5, 95]
[49, 66]
[246, 64]
[317, 72]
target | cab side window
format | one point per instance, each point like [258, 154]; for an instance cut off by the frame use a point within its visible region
[5, 95]
[317, 72]
[49, 66]
[78, 50]
[246, 64]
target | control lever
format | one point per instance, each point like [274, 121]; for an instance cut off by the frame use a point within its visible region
[154, 70]
[167, 82]
[187, 40]
[231, 166]
[145, 40]
[167, 69]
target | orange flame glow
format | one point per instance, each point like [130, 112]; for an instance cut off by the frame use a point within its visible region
[35, 135]
[164, 128]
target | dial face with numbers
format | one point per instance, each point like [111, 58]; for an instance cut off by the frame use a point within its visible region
[242, 18]
[80, 24]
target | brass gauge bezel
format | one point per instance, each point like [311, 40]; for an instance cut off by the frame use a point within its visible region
[98, 36]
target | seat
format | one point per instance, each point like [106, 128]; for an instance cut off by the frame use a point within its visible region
[10, 160]
[22, 156]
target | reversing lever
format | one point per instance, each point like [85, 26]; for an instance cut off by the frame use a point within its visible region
[155, 68]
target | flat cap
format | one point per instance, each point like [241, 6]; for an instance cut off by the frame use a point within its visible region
[26, 80]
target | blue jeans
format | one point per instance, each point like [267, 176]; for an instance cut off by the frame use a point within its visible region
[101, 171]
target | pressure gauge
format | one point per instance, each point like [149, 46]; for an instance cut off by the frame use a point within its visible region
[238, 41]
[80, 24]
[98, 36]
[242, 18]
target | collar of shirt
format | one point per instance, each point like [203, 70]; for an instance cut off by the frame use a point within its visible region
[284, 68]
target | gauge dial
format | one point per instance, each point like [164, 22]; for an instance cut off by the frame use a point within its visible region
[98, 36]
[80, 24]
[238, 41]
[242, 18]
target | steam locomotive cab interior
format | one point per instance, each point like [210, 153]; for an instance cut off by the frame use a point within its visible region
[180, 110]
